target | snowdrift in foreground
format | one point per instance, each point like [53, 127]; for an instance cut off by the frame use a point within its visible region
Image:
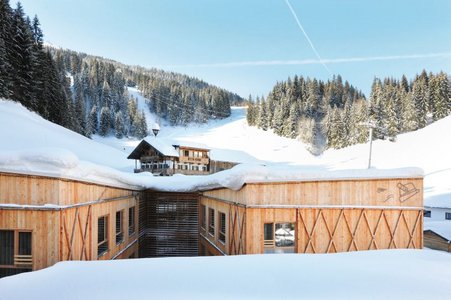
[384, 274]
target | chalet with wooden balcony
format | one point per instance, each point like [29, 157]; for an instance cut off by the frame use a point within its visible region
[165, 157]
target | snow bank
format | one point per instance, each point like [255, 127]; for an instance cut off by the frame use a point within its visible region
[385, 274]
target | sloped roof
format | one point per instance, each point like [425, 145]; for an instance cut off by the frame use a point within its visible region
[161, 145]
[442, 228]
[235, 156]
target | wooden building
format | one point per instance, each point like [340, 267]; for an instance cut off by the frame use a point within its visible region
[313, 216]
[45, 220]
[165, 158]
[437, 235]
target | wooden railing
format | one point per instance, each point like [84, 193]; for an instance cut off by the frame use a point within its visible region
[23, 261]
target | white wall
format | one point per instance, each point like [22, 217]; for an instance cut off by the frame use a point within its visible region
[437, 214]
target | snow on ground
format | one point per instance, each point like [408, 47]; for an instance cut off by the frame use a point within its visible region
[23, 131]
[384, 274]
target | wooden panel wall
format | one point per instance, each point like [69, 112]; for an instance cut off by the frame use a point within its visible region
[235, 227]
[109, 209]
[44, 226]
[339, 230]
[38, 190]
[28, 190]
[376, 192]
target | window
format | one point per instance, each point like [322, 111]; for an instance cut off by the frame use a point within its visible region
[119, 227]
[131, 220]
[203, 216]
[279, 237]
[12, 253]
[448, 216]
[211, 221]
[427, 214]
[6, 247]
[222, 227]
[186, 153]
[102, 235]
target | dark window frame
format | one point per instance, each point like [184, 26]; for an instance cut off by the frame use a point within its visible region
[222, 227]
[21, 250]
[131, 220]
[211, 221]
[103, 245]
[447, 215]
[427, 213]
[120, 227]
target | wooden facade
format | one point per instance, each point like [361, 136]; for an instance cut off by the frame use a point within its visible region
[435, 241]
[166, 160]
[323, 216]
[62, 217]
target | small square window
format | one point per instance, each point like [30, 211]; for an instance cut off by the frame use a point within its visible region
[427, 214]
[448, 216]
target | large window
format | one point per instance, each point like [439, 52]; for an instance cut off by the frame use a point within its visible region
[222, 227]
[131, 220]
[15, 249]
[211, 221]
[119, 227]
[279, 237]
[102, 235]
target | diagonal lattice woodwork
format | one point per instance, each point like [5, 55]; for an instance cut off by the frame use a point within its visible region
[237, 221]
[326, 230]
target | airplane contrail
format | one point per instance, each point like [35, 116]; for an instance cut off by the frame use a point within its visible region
[307, 37]
[311, 61]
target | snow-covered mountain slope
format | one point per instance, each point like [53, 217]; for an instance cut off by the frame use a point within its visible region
[428, 148]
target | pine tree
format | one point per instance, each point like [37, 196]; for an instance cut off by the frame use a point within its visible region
[104, 126]
[93, 122]
[439, 96]
[119, 125]
[420, 98]
[5, 49]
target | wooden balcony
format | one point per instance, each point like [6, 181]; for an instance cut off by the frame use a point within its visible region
[194, 160]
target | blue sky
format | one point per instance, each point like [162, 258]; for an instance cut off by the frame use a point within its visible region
[246, 46]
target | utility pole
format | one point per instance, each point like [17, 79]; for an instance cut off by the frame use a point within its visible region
[371, 146]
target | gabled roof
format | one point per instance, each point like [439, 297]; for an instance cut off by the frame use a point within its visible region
[160, 145]
[166, 147]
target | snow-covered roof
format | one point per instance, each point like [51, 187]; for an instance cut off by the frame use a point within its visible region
[235, 156]
[442, 228]
[164, 146]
